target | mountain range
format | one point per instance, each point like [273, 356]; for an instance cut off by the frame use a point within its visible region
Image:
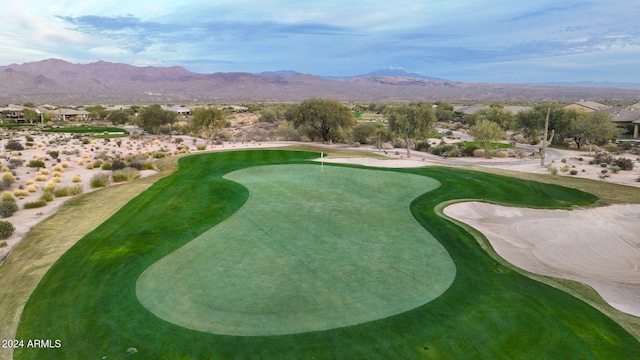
[57, 81]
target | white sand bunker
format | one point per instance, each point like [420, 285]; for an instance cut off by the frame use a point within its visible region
[598, 247]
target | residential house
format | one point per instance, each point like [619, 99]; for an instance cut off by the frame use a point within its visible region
[627, 116]
[71, 115]
[587, 106]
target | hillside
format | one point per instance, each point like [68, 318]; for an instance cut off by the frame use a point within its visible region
[61, 82]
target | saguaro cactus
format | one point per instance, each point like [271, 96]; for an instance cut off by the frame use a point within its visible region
[546, 140]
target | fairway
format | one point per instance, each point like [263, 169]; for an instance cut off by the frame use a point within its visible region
[310, 250]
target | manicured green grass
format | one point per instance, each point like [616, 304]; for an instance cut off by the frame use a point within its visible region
[346, 254]
[85, 129]
[88, 300]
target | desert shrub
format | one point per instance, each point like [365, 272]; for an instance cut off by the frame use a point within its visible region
[422, 146]
[106, 166]
[65, 164]
[612, 148]
[147, 165]
[47, 196]
[615, 169]
[159, 154]
[126, 174]
[99, 180]
[57, 168]
[8, 208]
[603, 157]
[565, 168]
[13, 145]
[201, 147]
[20, 192]
[442, 150]
[7, 195]
[89, 166]
[604, 173]
[35, 163]
[41, 177]
[15, 162]
[8, 179]
[67, 191]
[45, 172]
[118, 165]
[57, 174]
[35, 204]
[76, 178]
[573, 172]
[478, 152]
[623, 163]
[502, 154]
[6, 229]
[54, 154]
[32, 188]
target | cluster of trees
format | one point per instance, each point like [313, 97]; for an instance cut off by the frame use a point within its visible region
[330, 120]
[583, 128]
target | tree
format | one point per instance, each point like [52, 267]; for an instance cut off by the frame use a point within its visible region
[496, 113]
[118, 117]
[97, 112]
[486, 131]
[411, 122]
[153, 118]
[444, 112]
[30, 115]
[529, 122]
[207, 122]
[268, 115]
[592, 127]
[325, 117]
[363, 132]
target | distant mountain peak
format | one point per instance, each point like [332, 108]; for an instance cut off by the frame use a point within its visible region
[399, 73]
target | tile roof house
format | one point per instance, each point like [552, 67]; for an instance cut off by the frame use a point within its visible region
[627, 115]
[588, 106]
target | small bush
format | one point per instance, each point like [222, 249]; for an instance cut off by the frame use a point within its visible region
[35, 204]
[148, 166]
[478, 153]
[8, 178]
[612, 148]
[47, 196]
[8, 208]
[603, 157]
[6, 195]
[6, 229]
[573, 172]
[99, 180]
[565, 168]
[67, 191]
[106, 166]
[13, 145]
[623, 163]
[41, 177]
[20, 193]
[201, 147]
[118, 165]
[35, 163]
[615, 169]
[76, 178]
[159, 155]
[126, 174]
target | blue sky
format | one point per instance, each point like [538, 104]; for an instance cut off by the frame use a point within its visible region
[473, 40]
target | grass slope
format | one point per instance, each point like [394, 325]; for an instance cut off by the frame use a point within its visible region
[87, 299]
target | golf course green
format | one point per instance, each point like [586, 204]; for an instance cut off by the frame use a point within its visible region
[223, 219]
[309, 251]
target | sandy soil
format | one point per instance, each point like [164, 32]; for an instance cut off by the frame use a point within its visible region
[599, 247]
[76, 164]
